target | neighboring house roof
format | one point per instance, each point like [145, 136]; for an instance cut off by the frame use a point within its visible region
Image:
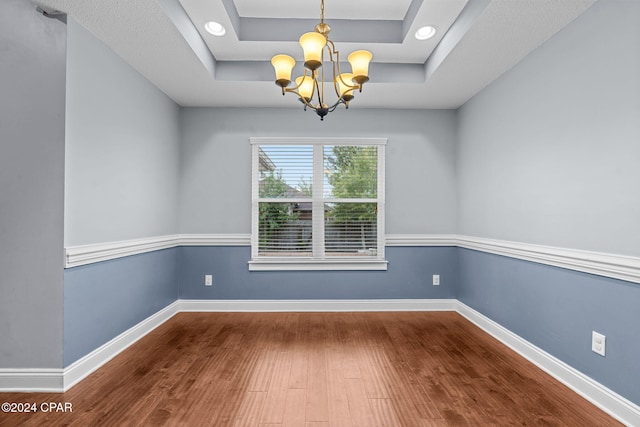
[265, 163]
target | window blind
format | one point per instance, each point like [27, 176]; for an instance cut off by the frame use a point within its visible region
[318, 200]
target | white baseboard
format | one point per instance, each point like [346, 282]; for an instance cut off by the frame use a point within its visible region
[60, 380]
[317, 305]
[615, 405]
[82, 368]
[31, 380]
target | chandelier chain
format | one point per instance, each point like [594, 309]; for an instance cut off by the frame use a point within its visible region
[322, 11]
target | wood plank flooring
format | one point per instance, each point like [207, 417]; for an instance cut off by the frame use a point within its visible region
[315, 370]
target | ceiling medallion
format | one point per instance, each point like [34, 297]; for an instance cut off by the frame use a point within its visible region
[310, 87]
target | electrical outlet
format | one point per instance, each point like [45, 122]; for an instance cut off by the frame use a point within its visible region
[436, 280]
[598, 343]
[208, 280]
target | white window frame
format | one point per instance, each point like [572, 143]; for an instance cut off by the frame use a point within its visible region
[377, 262]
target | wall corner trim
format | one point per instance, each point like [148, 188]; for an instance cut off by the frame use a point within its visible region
[612, 403]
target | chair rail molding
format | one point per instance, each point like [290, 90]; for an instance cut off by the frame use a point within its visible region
[421, 240]
[98, 252]
[620, 267]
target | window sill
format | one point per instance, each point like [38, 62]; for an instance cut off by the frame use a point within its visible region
[307, 264]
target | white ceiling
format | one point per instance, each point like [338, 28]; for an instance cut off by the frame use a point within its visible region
[477, 41]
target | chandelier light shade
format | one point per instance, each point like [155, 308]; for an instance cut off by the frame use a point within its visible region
[359, 61]
[305, 87]
[312, 45]
[344, 85]
[319, 54]
[283, 65]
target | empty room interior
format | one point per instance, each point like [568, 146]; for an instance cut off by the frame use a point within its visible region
[442, 229]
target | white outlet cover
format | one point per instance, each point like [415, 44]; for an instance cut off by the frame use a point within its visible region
[436, 280]
[598, 343]
[208, 280]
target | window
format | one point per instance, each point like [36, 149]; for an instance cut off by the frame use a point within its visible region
[317, 204]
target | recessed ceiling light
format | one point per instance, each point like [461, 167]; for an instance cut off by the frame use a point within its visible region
[215, 28]
[425, 33]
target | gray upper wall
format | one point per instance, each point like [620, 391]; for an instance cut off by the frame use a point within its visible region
[547, 154]
[32, 116]
[135, 162]
[215, 187]
[550, 152]
[122, 148]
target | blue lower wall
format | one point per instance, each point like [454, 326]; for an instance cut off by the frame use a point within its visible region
[556, 309]
[103, 300]
[553, 308]
[408, 276]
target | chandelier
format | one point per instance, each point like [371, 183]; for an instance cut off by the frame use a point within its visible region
[310, 87]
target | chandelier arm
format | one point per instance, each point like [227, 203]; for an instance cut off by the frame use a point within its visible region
[321, 97]
[307, 102]
[334, 51]
[337, 73]
[313, 107]
[295, 91]
[301, 81]
[350, 90]
[336, 70]
[317, 91]
[334, 106]
[302, 99]
[351, 86]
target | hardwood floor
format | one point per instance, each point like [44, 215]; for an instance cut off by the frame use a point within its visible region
[315, 370]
